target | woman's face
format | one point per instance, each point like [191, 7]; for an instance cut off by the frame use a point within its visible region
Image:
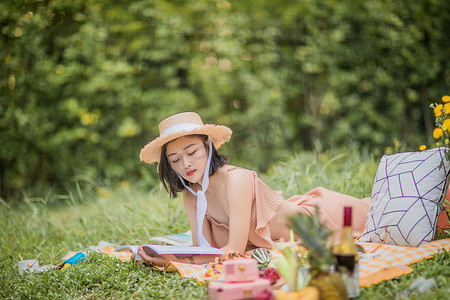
[187, 156]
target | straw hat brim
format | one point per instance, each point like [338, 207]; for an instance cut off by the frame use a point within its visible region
[151, 152]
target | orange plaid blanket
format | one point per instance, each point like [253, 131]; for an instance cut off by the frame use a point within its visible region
[380, 262]
[384, 262]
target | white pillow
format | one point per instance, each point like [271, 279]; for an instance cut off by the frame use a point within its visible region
[407, 194]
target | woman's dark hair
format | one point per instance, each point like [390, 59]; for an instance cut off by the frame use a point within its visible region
[169, 178]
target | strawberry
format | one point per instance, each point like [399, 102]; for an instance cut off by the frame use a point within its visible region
[270, 274]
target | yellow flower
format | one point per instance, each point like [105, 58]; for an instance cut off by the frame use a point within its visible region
[125, 184]
[438, 110]
[437, 133]
[103, 192]
[422, 147]
[447, 108]
[446, 125]
[446, 98]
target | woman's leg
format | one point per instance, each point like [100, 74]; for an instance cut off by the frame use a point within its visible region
[331, 207]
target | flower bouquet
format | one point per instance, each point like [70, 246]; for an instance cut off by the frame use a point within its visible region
[441, 133]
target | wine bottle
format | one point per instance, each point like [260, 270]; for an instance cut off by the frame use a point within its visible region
[346, 254]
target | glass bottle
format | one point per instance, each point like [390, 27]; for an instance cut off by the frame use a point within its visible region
[347, 255]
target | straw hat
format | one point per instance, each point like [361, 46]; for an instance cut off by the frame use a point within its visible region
[179, 125]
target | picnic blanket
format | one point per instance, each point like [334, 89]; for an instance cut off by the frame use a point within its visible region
[384, 262]
[380, 262]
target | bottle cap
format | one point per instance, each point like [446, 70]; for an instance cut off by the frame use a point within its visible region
[347, 216]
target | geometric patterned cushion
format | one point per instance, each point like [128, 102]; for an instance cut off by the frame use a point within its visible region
[407, 194]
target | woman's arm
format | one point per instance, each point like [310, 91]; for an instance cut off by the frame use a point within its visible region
[239, 193]
[190, 206]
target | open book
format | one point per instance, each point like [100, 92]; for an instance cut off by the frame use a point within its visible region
[158, 250]
[178, 239]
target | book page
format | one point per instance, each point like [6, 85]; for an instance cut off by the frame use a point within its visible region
[132, 248]
[179, 239]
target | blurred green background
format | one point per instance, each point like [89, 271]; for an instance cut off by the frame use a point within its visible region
[84, 83]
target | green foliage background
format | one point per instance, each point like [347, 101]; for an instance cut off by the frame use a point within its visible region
[84, 83]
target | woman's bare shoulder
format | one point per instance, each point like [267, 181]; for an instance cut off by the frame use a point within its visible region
[239, 187]
[238, 176]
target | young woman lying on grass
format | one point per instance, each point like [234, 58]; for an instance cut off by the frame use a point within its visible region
[230, 207]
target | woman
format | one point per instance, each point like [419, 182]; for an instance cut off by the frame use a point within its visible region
[230, 207]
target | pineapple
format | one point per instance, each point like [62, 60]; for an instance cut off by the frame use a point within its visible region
[315, 237]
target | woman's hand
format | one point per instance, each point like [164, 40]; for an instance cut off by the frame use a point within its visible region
[153, 261]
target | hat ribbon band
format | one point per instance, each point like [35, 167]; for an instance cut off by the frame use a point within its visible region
[182, 127]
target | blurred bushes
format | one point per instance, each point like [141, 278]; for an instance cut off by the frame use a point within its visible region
[84, 83]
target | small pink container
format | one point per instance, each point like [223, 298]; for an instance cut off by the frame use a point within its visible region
[238, 290]
[241, 270]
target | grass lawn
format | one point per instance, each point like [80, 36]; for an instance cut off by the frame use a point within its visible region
[46, 227]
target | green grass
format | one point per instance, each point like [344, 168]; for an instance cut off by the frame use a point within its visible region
[48, 227]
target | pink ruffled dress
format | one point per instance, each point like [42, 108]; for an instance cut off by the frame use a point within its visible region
[266, 202]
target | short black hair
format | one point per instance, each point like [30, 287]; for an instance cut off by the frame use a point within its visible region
[168, 176]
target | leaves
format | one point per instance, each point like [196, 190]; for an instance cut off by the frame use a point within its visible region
[85, 83]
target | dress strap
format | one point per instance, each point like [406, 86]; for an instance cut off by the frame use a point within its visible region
[233, 168]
